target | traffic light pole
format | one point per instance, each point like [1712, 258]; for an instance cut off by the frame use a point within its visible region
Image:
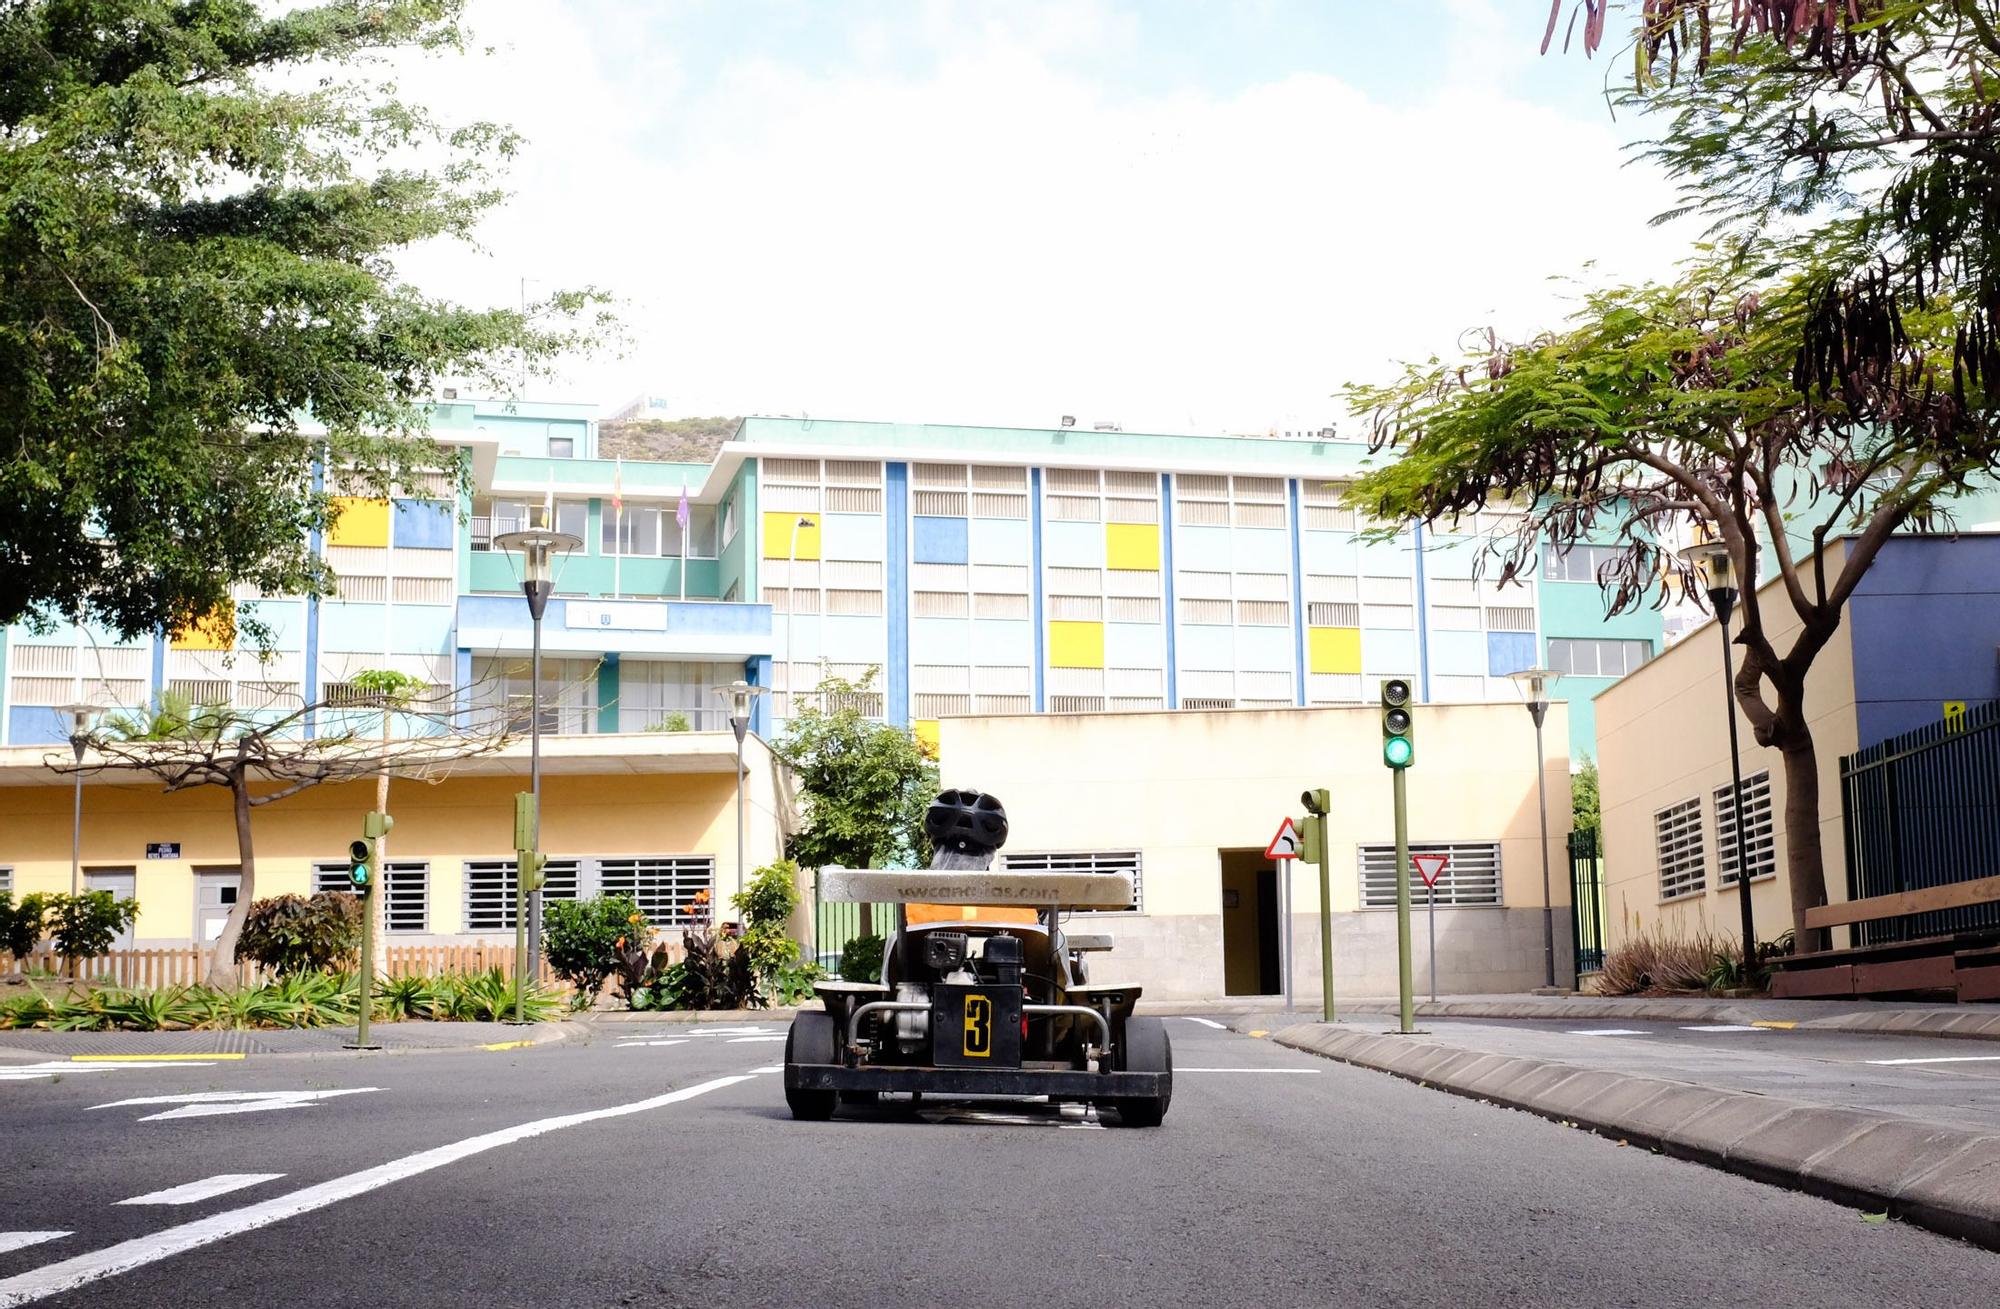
[1325, 931]
[1403, 982]
[364, 871]
[361, 1041]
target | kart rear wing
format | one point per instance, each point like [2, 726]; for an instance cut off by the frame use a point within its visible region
[980, 887]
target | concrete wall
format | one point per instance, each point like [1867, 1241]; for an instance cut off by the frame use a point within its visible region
[1183, 787]
[609, 811]
[1664, 735]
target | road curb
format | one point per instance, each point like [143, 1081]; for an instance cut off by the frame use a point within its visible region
[538, 1034]
[1936, 1176]
[595, 1017]
[1958, 1023]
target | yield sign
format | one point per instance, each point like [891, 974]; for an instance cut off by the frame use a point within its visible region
[1285, 845]
[1430, 867]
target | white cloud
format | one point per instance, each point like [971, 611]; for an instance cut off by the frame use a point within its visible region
[1000, 239]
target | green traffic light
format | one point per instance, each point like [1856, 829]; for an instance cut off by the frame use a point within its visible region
[1397, 752]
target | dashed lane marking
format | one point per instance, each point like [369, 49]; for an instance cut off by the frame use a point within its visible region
[64, 1068]
[633, 1045]
[747, 1040]
[1205, 1022]
[154, 1058]
[206, 1189]
[1607, 1031]
[773, 1068]
[1724, 1027]
[1248, 1070]
[22, 1240]
[1939, 1059]
[67, 1275]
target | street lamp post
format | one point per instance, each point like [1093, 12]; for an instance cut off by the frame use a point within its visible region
[82, 715]
[535, 545]
[1712, 560]
[1534, 684]
[740, 694]
[791, 616]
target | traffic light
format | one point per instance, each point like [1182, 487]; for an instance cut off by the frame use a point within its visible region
[1399, 748]
[363, 864]
[1312, 828]
[532, 862]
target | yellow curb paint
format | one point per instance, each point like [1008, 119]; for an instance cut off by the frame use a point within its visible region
[507, 1045]
[1773, 1023]
[1259, 1032]
[151, 1058]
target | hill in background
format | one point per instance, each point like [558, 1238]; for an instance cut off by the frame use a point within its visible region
[675, 441]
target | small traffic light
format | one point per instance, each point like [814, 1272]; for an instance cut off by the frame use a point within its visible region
[1399, 748]
[531, 863]
[360, 856]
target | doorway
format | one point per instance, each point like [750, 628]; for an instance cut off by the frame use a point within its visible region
[1250, 961]
[123, 884]
[215, 890]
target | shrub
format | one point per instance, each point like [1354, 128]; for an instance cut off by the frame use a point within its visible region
[767, 905]
[716, 974]
[293, 934]
[21, 923]
[584, 939]
[861, 960]
[84, 926]
[793, 984]
[673, 722]
[309, 999]
[1654, 961]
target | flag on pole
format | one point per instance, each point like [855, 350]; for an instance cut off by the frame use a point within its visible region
[618, 484]
[682, 516]
[549, 505]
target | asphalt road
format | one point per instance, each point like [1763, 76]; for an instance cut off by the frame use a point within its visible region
[671, 1174]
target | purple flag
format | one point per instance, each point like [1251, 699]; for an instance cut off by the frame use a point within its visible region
[681, 510]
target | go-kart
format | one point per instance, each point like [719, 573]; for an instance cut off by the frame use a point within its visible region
[982, 992]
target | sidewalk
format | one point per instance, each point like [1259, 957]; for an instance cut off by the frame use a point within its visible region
[394, 1038]
[1961, 1021]
[1875, 1138]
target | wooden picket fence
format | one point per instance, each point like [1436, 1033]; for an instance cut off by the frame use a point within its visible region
[184, 966]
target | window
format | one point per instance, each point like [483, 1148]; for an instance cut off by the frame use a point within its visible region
[489, 890]
[1472, 877]
[504, 685]
[573, 517]
[562, 447]
[1597, 657]
[729, 520]
[700, 532]
[1677, 840]
[1579, 563]
[406, 895]
[330, 877]
[664, 887]
[1760, 843]
[1087, 861]
[6, 879]
[636, 531]
[651, 691]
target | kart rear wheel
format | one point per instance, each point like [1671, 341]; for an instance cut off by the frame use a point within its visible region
[810, 1041]
[1146, 1050]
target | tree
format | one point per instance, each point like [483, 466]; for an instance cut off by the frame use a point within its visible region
[392, 693]
[864, 784]
[199, 205]
[262, 760]
[1584, 803]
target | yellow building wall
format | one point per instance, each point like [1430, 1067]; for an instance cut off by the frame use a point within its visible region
[778, 528]
[445, 824]
[1334, 649]
[1183, 785]
[1663, 737]
[1076, 645]
[360, 521]
[1133, 546]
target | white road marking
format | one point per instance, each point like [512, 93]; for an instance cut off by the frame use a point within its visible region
[634, 1045]
[63, 1067]
[55, 1278]
[1724, 1027]
[1205, 1022]
[211, 1104]
[746, 1040]
[1607, 1031]
[1941, 1059]
[730, 1031]
[206, 1189]
[1248, 1070]
[22, 1240]
[774, 1068]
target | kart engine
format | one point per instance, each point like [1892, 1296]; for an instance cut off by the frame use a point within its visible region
[960, 959]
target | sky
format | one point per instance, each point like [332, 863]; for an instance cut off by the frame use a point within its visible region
[1167, 214]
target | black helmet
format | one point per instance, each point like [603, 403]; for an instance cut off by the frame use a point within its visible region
[966, 820]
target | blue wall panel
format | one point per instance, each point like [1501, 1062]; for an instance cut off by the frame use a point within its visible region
[1458, 654]
[999, 541]
[852, 639]
[944, 641]
[1385, 651]
[346, 628]
[1388, 559]
[897, 675]
[1201, 550]
[1003, 642]
[1259, 550]
[285, 618]
[1264, 649]
[1073, 545]
[1329, 552]
[425, 629]
[853, 536]
[1509, 652]
[1134, 645]
[36, 725]
[423, 525]
[1208, 648]
[939, 540]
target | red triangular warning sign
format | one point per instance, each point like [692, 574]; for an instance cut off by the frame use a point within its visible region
[1285, 845]
[1430, 867]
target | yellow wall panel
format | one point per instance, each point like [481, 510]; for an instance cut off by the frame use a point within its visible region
[1076, 645]
[361, 522]
[1334, 649]
[1132, 545]
[926, 730]
[778, 527]
[215, 632]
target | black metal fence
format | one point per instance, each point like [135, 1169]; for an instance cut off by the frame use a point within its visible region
[1923, 809]
[835, 923]
[1586, 877]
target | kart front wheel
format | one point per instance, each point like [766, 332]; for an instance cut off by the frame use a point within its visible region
[1146, 1050]
[810, 1041]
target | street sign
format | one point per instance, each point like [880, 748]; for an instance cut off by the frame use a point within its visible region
[1285, 845]
[163, 849]
[1430, 867]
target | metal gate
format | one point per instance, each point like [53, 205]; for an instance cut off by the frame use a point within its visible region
[1586, 876]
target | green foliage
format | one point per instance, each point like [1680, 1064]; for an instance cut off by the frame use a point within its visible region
[864, 784]
[201, 204]
[767, 905]
[583, 940]
[310, 999]
[861, 960]
[1583, 798]
[715, 973]
[392, 688]
[293, 934]
[21, 923]
[792, 984]
[673, 722]
[84, 926]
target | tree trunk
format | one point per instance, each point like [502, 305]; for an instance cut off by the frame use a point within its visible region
[222, 965]
[1804, 866]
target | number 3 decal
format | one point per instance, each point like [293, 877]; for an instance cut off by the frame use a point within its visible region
[978, 1026]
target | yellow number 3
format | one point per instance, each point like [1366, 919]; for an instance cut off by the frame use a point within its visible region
[978, 1026]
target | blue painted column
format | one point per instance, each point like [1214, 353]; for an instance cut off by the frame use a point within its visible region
[896, 511]
[1298, 597]
[1035, 586]
[1167, 579]
[757, 672]
[1423, 620]
[607, 692]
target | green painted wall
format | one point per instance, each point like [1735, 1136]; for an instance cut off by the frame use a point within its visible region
[739, 557]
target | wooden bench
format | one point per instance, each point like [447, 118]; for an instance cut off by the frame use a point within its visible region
[1967, 964]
